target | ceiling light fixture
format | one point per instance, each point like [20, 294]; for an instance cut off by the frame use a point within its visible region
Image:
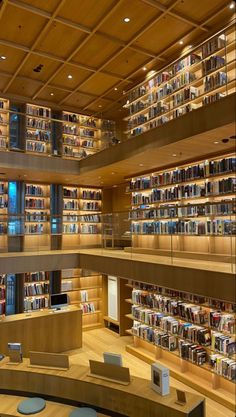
[126, 20]
[216, 142]
[181, 42]
[3, 58]
[51, 94]
[232, 5]
[144, 68]
[100, 105]
[141, 165]
[69, 76]
[115, 88]
[174, 154]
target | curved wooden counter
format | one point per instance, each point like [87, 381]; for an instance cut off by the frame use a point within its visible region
[74, 385]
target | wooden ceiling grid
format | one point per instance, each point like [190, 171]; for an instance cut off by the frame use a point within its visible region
[90, 41]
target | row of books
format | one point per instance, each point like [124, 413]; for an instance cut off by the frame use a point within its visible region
[3, 142]
[36, 303]
[74, 153]
[223, 344]
[213, 81]
[37, 203]
[37, 228]
[36, 276]
[213, 63]
[36, 190]
[38, 123]
[38, 111]
[3, 188]
[36, 289]
[91, 205]
[71, 205]
[141, 289]
[66, 285]
[223, 366]
[84, 295]
[2, 308]
[88, 308]
[3, 228]
[186, 227]
[3, 104]
[93, 195]
[2, 293]
[89, 229]
[37, 216]
[202, 170]
[213, 45]
[38, 135]
[71, 228]
[37, 147]
[212, 98]
[3, 279]
[3, 201]
[190, 312]
[192, 352]
[70, 140]
[224, 207]
[70, 192]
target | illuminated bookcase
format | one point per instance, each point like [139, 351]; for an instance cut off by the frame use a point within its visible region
[189, 208]
[4, 124]
[37, 216]
[70, 237]
[38, 129]
[85, 289]
[36, 290]
[202, 76]
[2, 294]
[3, 214]
[193, 336]
[90, 216]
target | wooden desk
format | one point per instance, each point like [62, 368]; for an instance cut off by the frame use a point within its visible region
[44, 331]
[134, 400]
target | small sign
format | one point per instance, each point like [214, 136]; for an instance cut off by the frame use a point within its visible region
[160, 379]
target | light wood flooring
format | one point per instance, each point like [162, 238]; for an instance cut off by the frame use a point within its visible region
[95, 342]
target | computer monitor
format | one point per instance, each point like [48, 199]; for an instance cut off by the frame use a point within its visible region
[59, 300]
[112, 358]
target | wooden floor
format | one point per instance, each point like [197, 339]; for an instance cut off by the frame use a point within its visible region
[95, 342]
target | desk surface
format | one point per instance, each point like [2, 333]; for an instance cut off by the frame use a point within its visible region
[37, 314]
[75, 384]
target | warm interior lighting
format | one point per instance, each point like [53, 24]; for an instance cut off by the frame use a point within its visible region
[232, 5]
[3, 57]
[69, 76]
[126, 19]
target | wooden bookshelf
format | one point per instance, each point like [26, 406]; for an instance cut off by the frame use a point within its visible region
[189, 208]
[71, 205]
[37, 216]
[38, 129]
[90, 217]
[3, 289]
[3, 214]
[4, 124]
[85, 289]
[151, 342]
[36, 290]
[197, 78]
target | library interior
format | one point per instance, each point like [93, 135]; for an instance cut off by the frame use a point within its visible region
[117, 208]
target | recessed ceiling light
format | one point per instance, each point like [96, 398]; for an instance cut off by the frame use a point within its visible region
[232, 5]
[115, 88]
[100, 105]
[51, 94]
[3, 57]
[113, 173]
[123, 91]
[141, 165]
[174, 154]
[69, 76]
[126, 19]
[181, 42]
[114, 186]
[215, 142]
[190, 46]
[144, 68]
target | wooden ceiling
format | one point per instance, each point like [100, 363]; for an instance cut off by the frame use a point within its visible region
[89, 40]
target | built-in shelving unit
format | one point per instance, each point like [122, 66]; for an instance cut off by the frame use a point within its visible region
[38, 129]
[199, 77]
[90, 217]
[3, 214]
[4, 124]
[193, 335]
[2, 294]
[171, 208]
[37, 216]
[71, 205]
[36, 290]
[85, 288]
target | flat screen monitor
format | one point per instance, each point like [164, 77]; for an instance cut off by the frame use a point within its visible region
[112, 358]
[59, 300]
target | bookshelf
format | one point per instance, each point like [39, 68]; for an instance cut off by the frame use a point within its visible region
[36, 290]
[192, 335]
[38, 129]
[4, 124]
[70, 237]
[37, 216]
[85, 289]
[90, 216]
[200, 77]
[189, 208]
[3, 214]
[2, 294]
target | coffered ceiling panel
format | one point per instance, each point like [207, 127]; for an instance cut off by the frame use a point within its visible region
[126, 62]
[86, 12]
[48, 5]
[157, 38]
[198, 10]
[78, 100]
[78, 76]
[98, 107]
[139, 13]
[14, 58]
[52, 94]
[61, 40]
[96, 51]
[20, 25]
[99, 83]
[4, 79]
[31, 68]
[23, 87]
